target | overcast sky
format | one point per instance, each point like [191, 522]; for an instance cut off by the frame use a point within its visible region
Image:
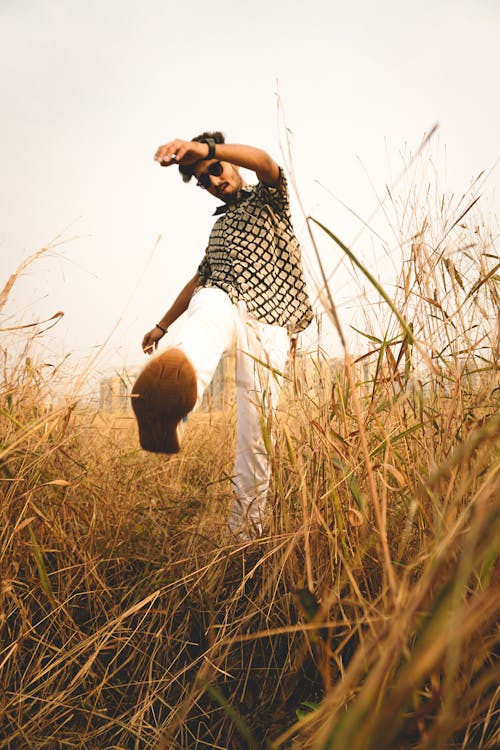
[91, 88]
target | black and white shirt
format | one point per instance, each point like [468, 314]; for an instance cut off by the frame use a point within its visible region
[254, 256]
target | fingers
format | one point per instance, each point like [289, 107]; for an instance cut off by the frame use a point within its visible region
[165, 158]
[169, 153]
[150, 342]
[147, 345]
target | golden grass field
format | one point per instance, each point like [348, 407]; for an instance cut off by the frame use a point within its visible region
[367, 616]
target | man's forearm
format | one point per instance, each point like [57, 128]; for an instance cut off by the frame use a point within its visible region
[249, 157]
[181, 303]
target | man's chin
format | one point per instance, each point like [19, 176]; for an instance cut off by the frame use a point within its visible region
[227, 195]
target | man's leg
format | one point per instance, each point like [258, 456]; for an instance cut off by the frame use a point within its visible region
[207, 333]
[257, 392]
[173, 383]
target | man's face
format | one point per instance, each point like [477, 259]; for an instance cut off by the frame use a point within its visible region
[223, 185]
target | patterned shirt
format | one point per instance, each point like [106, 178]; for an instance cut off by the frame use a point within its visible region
[254, 256]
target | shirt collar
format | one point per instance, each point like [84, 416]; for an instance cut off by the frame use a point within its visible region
[240, 196]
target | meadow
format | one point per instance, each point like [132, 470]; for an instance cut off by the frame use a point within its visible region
[365, 618]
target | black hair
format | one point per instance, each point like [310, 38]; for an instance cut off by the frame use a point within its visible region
[188, 171]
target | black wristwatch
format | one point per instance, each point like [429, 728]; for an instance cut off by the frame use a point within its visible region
[211, 148]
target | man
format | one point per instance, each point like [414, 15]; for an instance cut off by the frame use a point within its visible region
[250, 288]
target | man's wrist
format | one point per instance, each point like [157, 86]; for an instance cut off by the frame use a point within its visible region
[211, 148]
[162, 328]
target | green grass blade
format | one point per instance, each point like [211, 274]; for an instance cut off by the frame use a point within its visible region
[369, 276]
[240, 724]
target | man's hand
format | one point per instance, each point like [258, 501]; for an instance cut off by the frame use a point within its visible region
[151, 340]
[181, 152]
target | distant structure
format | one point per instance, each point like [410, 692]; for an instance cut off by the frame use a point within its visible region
[309, 372]
[114, 391]
[220, 392]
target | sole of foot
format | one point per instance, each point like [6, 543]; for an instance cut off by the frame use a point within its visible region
[163, 394]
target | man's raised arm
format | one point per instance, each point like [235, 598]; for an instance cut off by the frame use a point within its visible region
[189, 152]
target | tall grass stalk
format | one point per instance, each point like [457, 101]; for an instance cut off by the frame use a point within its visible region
[366, 617]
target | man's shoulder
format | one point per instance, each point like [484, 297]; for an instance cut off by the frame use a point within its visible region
[275, 195]
[280, 186]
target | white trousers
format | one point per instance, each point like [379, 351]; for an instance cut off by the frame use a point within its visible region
[212, 324]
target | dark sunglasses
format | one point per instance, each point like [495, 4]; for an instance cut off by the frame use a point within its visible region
[215, 170]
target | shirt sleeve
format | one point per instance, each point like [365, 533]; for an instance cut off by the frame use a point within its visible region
[277, 196]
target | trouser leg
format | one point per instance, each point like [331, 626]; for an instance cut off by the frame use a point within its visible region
[207, 333]
[211, 324]
[257, 393]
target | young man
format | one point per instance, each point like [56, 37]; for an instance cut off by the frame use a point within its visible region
[249, 288]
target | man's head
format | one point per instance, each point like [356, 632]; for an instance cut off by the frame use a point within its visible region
[220, 178]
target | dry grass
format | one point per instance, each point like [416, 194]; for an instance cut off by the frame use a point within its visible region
[366, 619]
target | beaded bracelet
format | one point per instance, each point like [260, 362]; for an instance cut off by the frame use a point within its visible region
[163, 330]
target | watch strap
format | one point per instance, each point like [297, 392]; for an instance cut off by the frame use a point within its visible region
[211, 148]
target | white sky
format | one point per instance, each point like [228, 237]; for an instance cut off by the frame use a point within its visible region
[90, 88]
